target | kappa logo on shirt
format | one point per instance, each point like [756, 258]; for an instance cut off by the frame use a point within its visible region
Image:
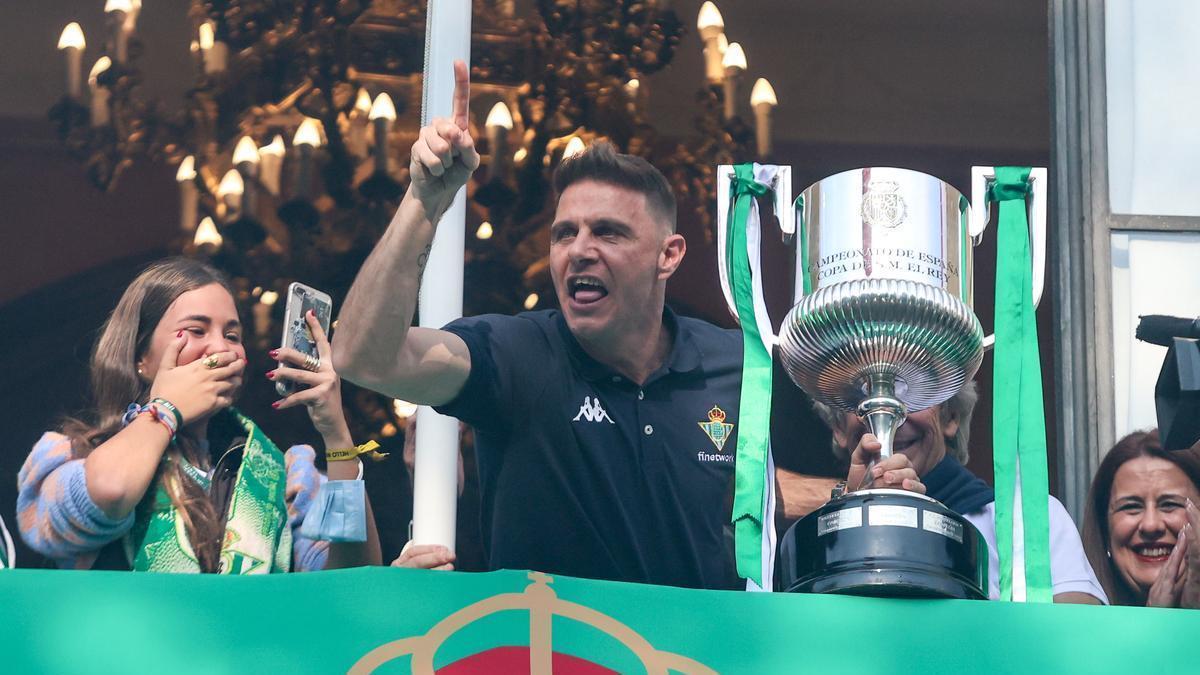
[592, 411]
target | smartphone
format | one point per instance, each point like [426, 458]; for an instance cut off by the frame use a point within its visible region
[296, 334]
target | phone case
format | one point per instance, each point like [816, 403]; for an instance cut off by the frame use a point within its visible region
[296, 334]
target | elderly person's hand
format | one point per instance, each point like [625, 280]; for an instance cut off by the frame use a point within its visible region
[425, 556]
[894, 472]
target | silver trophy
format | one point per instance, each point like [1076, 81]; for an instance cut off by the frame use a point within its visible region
[882, 326]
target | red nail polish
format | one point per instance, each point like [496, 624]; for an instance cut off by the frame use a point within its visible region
[275, 405]
[273, 353]
[270, 374]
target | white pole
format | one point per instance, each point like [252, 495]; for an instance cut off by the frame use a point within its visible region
[435, 485]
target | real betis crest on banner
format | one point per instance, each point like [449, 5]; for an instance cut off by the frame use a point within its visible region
[540, 606]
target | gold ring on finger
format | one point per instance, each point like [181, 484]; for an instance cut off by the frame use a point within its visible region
[211, 361]
[312, 363]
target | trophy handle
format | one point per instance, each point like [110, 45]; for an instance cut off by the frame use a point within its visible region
[782, 189]
[982, 177]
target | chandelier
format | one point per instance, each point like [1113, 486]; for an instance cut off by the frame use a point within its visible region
[291, 149]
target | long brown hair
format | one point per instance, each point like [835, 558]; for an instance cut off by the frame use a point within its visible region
[1095, 519]
[124, 340]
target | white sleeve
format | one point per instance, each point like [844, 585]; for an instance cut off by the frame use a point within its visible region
[1069, 566]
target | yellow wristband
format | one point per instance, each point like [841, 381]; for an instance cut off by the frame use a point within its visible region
[369, 449]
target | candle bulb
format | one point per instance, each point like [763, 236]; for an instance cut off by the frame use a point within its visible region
[711, 26]
[131, 17]
[762, 100]
[229, 195]
[404, 409]
[484, 231]
[245, 160]
[574, 147]
[383, 113]
[270, 164]
[189, 196]
[71, 41]
[633, 91]
[215, 52]
[734, 63]
[207, 234]
[115, 12]
[262, 312]
[99, 92]
[357, 140]
[499, 122]
[197, 56]
[307, 139]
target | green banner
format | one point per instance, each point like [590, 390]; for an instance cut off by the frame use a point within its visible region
[391, 620]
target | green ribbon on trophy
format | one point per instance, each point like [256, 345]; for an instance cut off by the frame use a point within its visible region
[754, 407]
[1019, 422]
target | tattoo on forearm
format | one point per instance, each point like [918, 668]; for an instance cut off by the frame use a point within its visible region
[422, 260]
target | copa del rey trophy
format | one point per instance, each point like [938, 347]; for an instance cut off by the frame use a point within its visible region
[883, 326]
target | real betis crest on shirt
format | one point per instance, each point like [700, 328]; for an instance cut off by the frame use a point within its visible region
[717, 429]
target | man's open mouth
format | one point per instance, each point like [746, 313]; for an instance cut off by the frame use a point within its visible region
[586, 290]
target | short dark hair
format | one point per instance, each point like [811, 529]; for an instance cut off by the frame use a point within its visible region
[602, 163]
[1095, 518]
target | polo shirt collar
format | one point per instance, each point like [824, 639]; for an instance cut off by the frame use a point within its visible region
[685, 355]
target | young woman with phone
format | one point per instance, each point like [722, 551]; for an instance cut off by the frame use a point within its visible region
[165, 474]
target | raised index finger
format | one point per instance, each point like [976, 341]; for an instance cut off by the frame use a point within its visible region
[462, 94]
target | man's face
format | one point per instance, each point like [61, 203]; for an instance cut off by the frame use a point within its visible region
[609, 257]
[922, 437]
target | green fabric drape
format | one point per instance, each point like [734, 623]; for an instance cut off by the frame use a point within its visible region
[754, 408]
[1019, 423]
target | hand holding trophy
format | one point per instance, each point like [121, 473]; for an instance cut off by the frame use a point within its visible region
[883, 326]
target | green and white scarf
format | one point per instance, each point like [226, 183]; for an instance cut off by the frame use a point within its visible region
[257, 539]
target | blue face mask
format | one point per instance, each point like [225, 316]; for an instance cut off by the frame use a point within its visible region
[338, 513]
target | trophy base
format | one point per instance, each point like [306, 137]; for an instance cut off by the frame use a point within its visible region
[884, 543]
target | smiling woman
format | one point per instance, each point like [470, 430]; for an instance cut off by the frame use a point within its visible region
[1141, 523]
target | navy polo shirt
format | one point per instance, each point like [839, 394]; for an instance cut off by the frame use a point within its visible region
[583, 472]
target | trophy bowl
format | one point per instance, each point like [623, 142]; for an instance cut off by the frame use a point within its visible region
[883, 326]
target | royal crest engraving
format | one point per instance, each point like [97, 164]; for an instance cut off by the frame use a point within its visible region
[883, 205]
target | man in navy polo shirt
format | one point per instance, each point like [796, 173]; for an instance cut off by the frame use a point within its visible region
[605, 431]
